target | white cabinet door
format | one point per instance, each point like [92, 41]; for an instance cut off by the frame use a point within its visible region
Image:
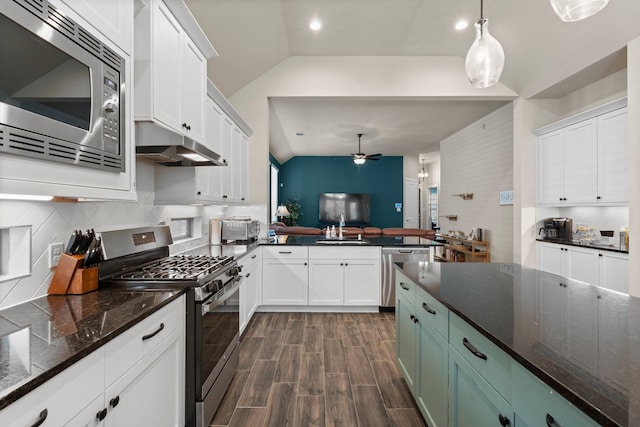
[227, 132]
[236, 165]
[250, 288]
[583, 265]
[113, 18]
[551, 258]
[326, 282]
[285, 282]
[152, 392]
[614, 271]
[613, 163]
[550, 168]
[166, 45]
[362, 282]
[91, 416]
[213, 137]
[193, 91]
[244, 168]
[580, 158]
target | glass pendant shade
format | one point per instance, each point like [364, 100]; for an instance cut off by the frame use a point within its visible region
[359, 161]
[485, 59]
[575, 10]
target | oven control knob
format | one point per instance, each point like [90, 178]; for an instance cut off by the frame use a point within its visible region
[214, 286]
[234, 271]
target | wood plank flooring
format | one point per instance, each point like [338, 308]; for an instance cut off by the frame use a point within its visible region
[318, 370]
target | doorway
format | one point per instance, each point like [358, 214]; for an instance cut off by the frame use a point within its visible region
[411, 205]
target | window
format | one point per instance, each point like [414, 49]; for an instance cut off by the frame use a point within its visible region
[433, 206]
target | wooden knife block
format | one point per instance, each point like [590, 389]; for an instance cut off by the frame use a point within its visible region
[71, 278]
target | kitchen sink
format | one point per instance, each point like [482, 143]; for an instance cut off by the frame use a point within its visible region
[343, 242]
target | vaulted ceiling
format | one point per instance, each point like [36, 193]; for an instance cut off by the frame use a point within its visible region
[544, 56]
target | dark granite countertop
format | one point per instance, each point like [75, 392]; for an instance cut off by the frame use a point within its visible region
[612, 248]
[399, 241]
[42, 337]
[581, 340]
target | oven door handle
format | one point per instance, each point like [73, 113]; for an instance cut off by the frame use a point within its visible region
[216, 302]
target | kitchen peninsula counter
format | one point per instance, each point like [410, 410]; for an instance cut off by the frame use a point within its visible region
[581, 340]
[43, 337]
[400, 241]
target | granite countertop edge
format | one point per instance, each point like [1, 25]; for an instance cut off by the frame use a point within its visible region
[577, 400]
[595, 246]
[22, 390]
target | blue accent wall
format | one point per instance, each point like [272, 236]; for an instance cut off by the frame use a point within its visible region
[305, 177]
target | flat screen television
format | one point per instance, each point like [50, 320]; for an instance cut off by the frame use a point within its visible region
[355, 207]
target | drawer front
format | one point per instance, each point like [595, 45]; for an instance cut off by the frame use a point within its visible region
[491, 362]
[342, 252]
[63, 396]
[127, 349]
[405, 288]
[250, 260]
[430, 310]
[283, 252]
[537, 404]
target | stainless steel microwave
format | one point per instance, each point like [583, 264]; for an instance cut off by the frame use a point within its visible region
[61, 89]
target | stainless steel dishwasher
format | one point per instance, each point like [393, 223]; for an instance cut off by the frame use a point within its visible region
[398, 254]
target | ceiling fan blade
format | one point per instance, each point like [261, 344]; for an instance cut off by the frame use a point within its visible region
[372, 158]
[373, 155]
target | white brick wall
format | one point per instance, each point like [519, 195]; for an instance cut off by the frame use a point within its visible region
[479, 159]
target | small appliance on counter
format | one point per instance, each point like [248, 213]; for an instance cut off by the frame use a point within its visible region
[240, 229]
[557, 229]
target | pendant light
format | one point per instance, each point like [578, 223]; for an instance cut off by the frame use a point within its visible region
[485, 59]
[575, 10]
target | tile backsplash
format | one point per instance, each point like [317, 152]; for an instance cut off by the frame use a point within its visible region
[54, 222]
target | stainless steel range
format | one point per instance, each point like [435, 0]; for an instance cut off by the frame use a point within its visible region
[139, 258]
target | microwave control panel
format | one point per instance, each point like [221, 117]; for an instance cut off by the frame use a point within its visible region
[111, 114]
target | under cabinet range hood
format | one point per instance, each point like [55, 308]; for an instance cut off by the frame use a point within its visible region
[165, 147]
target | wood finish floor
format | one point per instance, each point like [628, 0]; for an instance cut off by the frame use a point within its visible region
[316, 370]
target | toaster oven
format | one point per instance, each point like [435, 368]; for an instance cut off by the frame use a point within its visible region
[243, 230]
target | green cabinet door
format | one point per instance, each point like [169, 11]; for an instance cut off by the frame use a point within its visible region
[406, 346]
[433, 380]
[473, 401]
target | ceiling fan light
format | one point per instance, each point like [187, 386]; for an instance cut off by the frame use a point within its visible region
[485, 59]
[575, 10]
[359, 160]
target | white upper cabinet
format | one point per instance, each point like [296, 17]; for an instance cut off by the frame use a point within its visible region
[583, 160]
[113, 18]
[613, 163]
[170, 71]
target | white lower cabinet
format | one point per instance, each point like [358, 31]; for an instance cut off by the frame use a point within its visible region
[344, 276]
[134, 380]
[250, 288]
[285, 278]
[607, 269]
[151, 393]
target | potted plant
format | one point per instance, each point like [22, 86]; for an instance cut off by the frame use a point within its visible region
[295, 210]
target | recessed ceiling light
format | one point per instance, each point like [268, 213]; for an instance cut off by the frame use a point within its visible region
[299, 134]
[315, 24]
[461, 24]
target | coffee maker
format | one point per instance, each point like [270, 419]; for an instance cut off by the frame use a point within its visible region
[558, 229]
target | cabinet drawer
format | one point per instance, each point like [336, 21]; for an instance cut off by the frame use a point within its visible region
[334, 252]
[63, 396]
[250, 260]
[432, 311]
[405, 288]
[535, 402]
[127, 349]
[283, 252]
[491, 362]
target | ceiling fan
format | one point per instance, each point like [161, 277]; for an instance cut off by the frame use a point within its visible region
[359, 157]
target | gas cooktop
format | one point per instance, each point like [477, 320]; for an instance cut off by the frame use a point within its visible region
[178, 268]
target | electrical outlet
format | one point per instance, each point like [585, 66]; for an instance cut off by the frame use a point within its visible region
[55, 252]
